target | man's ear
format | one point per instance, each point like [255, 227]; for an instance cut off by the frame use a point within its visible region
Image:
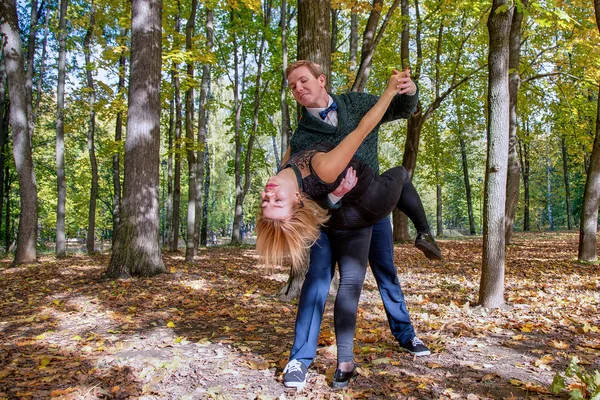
[322, 80]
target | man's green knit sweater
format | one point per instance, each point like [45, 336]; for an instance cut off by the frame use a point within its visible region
[351, 107]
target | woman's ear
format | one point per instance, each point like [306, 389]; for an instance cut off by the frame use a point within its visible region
[298, 199]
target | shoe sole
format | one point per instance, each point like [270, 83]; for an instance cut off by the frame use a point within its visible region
[420, 353]
[297, 385]
[429, 253]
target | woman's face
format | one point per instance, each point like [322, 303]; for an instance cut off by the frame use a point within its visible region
[278, 198]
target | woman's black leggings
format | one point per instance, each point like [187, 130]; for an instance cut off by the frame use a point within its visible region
[351, 250]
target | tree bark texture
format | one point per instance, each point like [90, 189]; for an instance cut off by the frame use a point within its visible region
[3, 130]
[12, 49]
[514, 167]
[61, 247]
[116, 160]
[591, 195]
[589, 211]
[314, 35]
[371, 38]
[30, 66]
[491, 289]
[91, 237]
[238, 97]
[137, 253]
[189, 136]
[524, 156]
[202, 131]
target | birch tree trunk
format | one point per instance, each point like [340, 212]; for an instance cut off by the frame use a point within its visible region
[61, 249]
[12, 49]
[137, 252]
[491, 288]
[91, 237]
[514, 167]
[4, 112]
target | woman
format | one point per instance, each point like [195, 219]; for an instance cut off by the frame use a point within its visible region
[289, 220]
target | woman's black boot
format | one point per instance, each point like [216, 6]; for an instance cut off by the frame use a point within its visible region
[341, 379]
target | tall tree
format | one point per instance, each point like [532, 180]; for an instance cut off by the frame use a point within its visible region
[174, 237]
[491, 288]
[202, 130]
[12, 49]
[116, 161]
[137, 252]
[589, 212]
[3, 130]
[514, 168]
[565, 164]
[89, 68]
[189, 136]
[61, 248]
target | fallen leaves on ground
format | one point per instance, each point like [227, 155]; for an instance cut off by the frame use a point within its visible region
[215, 328]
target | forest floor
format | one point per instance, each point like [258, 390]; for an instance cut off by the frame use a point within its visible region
[215, 329]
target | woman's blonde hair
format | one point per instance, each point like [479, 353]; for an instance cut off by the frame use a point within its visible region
[277, 240]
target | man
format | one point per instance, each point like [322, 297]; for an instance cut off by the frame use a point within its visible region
[330, 118]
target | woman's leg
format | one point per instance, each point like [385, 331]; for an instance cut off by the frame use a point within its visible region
[351, 249]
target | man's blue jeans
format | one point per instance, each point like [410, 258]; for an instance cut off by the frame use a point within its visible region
[316, 287]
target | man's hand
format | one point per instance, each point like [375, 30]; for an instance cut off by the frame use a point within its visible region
[347, 183]
[404, 84]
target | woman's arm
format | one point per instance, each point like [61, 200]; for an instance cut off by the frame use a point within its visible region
[328, 166]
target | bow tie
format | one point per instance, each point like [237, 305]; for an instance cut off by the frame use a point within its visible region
[324, 113]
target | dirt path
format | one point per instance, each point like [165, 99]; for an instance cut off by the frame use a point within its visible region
[214, 329]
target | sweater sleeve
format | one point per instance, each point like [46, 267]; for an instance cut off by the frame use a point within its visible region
[402, 106]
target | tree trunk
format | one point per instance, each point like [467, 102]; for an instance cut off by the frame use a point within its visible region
[589, 210]
[189, 136]
[549, 190]
[491, 288]
[174, 239]
[3, 131]
[440, 226]
[371, 38]
[27, 234]
[514, 168]
[314, 35]
[38, 95]
[465, 165]
[525, 174]
[7, 232]
[334, 29]
[202, 131]
[204, 233]
[91, 237]
[353, 45]
[116, 160]
[137, 252]
[33, 22]
[61, 247]
[286, 129]
[563, 146]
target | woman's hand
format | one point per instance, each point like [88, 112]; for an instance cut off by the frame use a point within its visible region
[400, 83]
[347, 183]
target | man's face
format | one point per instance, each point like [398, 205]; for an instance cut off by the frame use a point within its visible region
[307, 90]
